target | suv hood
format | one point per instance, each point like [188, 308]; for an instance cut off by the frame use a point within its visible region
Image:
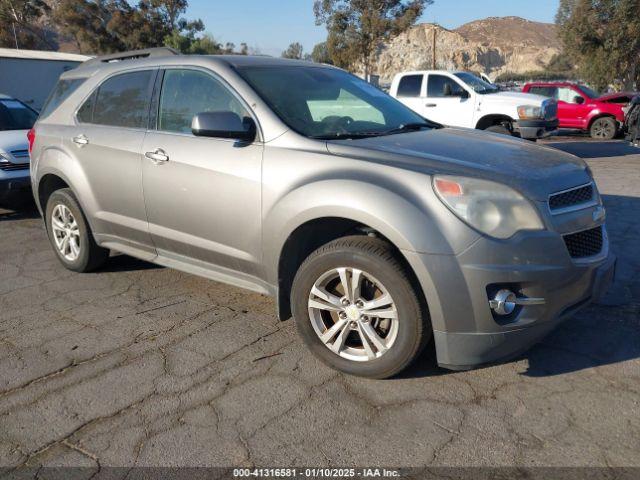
[518, 98]
[534, 170]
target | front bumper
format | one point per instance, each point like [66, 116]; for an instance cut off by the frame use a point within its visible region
[14, 185]
[535, 264]
[533, 129]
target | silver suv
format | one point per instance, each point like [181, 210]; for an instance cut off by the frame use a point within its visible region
[376, 228]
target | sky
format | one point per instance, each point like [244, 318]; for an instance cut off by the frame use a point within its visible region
[271, 25]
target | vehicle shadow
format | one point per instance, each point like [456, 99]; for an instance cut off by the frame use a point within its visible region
[23, 211]
[125, 263]
[596, 149]
[604, 333]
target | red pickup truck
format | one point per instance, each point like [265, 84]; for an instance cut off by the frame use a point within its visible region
[581, 108]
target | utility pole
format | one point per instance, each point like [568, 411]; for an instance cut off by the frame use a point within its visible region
[433, 66]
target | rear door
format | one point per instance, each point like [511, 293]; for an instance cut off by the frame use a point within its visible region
[451, 110]
[203, 196]
[107, 142]
[411, 92]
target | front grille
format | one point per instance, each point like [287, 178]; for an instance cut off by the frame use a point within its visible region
[571, 198]
[20, 153]
[584, 244]
[8, 167]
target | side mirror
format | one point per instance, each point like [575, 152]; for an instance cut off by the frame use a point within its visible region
[223, 125]
[578, 99]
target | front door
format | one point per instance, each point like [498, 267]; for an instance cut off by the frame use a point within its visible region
[444, 103]
[202, 194]
[571, 112]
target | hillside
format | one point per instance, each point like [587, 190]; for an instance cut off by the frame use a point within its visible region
[493, 45]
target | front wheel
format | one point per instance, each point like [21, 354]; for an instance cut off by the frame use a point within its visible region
[604, 128]
[356, 308]
[501, 129]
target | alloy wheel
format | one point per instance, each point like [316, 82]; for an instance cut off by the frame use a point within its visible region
[602, 129]
[66, 233]
[353, 314]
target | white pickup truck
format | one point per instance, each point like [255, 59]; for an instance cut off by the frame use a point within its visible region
[461, 99]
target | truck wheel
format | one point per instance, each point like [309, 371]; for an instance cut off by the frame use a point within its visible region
[357, 310]
[501, 129]
[70, 235]
[604, 128]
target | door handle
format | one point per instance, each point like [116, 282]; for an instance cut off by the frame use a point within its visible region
[80, 140]
[158, 156]
[431, 105]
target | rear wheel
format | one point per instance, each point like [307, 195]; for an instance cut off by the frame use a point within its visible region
[357, 310]
[70, 235]
[604, 128]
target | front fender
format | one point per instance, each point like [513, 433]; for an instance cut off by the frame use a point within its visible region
[407, 224]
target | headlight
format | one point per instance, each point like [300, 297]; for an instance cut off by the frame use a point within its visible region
[490, 207]
[530, 112]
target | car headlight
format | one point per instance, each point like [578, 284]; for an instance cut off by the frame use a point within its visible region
[530, 112]
[492, 208]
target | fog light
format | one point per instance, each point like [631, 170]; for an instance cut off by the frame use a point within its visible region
[505, 301]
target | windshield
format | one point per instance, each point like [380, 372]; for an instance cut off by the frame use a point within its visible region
[322, 102]
[478, 85]
[15, 115]
[589, 92]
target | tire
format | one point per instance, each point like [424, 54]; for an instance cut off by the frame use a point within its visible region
[603, 128]
[501, 129]
[88, 256]
[398, 341]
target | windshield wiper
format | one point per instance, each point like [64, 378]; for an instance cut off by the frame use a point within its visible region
[407, 127]
[346, 136]
[355, 135]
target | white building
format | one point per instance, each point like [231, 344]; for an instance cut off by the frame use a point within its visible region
[29, 75]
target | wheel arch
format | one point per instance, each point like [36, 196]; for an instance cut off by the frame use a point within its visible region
[493, 119]
[303, 221]
[600, 115]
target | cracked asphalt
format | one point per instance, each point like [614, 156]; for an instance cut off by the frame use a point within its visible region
[138, 365]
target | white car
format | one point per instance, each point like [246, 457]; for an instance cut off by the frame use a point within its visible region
[16, 119]
[460, 99]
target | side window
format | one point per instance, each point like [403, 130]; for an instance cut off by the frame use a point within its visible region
[544, 91]
[85, 112]
[410, 86]
[62, 91]
[185, 93]
[123, 100]
[568, 95]
[436, 86]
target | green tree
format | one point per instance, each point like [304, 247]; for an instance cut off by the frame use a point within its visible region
[294, 50]
[320, 53]
[604, 38]
[103, 26]
[357, 28]
[23, 25]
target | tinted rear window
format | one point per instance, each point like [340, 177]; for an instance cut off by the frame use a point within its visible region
[123, 100]
[410, 86]
[15, 115]
[62, 91]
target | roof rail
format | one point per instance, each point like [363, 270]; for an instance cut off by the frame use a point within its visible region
[132, 55]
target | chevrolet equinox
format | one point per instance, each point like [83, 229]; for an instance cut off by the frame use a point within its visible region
[376, 229]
